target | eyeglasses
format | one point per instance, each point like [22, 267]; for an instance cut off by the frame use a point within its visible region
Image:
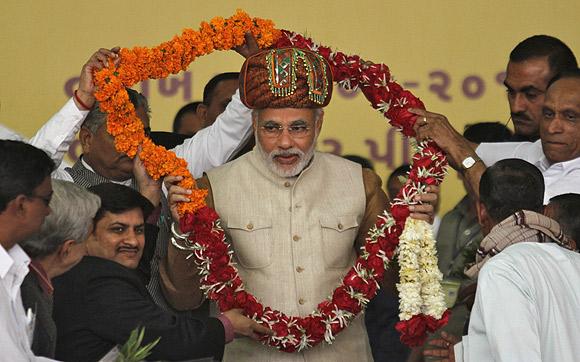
[275, 130]
[45, 199]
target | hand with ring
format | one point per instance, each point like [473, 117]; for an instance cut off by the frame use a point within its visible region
[442, 347]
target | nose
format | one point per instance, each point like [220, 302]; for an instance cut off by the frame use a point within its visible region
[285, 141]
[132, 239]
[555, 125]
[519, 103]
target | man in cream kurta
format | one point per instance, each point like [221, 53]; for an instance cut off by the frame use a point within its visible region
[295, 217]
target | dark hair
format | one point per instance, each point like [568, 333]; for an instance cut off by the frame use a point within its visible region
[567, 210]
[560, 57]
[208, 90]
[118, 199]
[487, 132]
[22, 169]
[188, 108]
[566, 74]
[401, 171]
[364, 162]
[511, 185]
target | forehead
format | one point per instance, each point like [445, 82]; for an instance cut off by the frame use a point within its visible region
[46, 186]
[130, 217]
[225, 89]
[286, 115]
[564, 93]
[531, 72]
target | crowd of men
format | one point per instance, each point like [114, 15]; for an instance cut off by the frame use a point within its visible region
[87, 253]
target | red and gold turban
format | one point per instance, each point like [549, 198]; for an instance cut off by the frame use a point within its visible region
[285, 78]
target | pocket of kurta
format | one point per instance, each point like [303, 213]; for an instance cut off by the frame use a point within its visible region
[338, 239]
[251, 238]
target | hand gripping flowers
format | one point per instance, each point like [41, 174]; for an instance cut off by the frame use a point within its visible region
[421, 308]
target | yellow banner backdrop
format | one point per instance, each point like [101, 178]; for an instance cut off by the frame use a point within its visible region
[452, 54]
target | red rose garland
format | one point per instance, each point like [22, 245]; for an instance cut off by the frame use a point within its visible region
[221, 281]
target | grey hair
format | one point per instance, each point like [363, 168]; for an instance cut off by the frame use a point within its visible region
[96, 119]
[318, 112]
[73, 210]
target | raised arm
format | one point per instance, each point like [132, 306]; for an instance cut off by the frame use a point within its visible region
[56, 135]
[458, 149]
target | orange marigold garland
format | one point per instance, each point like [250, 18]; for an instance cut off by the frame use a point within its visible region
[140, 63]
[220, 279]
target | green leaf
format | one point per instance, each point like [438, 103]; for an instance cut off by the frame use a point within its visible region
[132, 351]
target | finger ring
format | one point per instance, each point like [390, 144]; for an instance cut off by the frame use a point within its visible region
[447, 344]
[424, 120]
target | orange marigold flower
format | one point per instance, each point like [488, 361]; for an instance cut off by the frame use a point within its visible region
[141, 63]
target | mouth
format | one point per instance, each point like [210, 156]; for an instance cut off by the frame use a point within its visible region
[521, 120]
[287, 159]
[128, 253]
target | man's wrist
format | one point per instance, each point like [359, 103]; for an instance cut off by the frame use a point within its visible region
[83, 99]
[228, 328]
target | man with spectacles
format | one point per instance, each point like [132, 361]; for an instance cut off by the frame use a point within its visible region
[296, 218]
[25, 192]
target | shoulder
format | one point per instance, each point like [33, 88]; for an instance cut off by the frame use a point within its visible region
[91, 268]
[240, 162]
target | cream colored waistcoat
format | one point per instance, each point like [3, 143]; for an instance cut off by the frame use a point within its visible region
[294, 241]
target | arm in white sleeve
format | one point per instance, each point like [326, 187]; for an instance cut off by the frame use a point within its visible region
[56, 135]
[490, 153]
[213, 146]
[504, 317]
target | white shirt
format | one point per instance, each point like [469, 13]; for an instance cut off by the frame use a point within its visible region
[16, 325]
[559, 178]
[8, 134]
[527, 306]
[56, 135]
[208, 148]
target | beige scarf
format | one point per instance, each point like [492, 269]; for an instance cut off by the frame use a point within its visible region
[523, 226]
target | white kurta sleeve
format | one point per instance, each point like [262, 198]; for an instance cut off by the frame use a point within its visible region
[214, 145]
[490, 153]
[504, 320]
[56, 135]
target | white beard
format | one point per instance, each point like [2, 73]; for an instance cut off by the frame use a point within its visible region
[304, 159]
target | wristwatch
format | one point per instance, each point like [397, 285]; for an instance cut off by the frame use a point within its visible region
[469, 161]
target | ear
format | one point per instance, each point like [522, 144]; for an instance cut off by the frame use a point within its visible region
[201, 111]
[86, 139]
[65, 249]
[319, 123]
[18, 206]
[481, 212]
[254, 122]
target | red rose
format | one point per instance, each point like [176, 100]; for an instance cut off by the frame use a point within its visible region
[413, 331]
[216, 250]
[434, 324]
[314, 326]
[324, 52]
[400, 212]
[219, 263]
[325, 307]
[241, 299]
[343, 300]
[186, 222]
[336, 328]
[424, 162]
[226, 301]
[376, 264]
[353, 280]
[206, 215]
[253, 308]
[280, 328]
[372, 248]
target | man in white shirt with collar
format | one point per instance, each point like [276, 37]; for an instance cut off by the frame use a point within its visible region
[556, 154]
[25, 192]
